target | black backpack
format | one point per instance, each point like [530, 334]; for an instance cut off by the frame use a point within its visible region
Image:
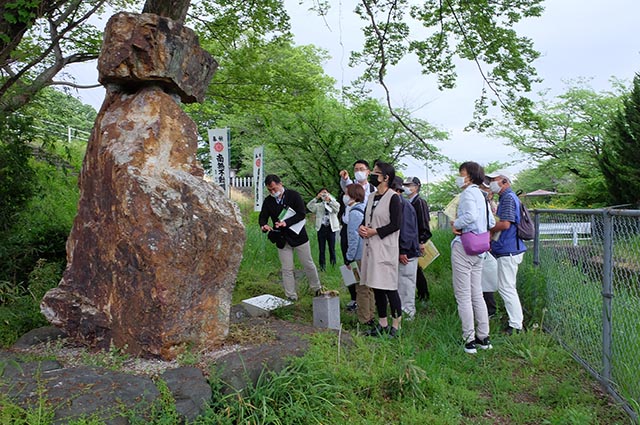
[526, 228]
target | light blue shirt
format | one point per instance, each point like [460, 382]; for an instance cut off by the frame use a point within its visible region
[472, 211]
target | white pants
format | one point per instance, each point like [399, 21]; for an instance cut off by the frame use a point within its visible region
[467, 288]
[304, 256]
[507, 272]
[407, 286]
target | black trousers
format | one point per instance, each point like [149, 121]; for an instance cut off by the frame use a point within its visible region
[421, 285]
[344, 247]
[344, 242]
[326, 236]
[381, 296]
[490, 300]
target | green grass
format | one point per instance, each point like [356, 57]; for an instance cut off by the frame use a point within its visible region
[571, 294]
[423, 376]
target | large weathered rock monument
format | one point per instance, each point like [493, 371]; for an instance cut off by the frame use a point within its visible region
[154, 250]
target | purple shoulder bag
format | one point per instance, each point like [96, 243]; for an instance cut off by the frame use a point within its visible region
[477, 243]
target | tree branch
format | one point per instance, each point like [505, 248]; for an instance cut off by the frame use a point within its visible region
[74, 85]
[45, 77]
[382, 71]
[475, 56]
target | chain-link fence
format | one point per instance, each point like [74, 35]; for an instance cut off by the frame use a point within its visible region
[590, 264]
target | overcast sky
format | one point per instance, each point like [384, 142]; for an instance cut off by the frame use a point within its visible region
[596, 39]
[577, 38]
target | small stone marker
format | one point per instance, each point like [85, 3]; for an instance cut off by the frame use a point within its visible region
[326, 312]
[263, 304]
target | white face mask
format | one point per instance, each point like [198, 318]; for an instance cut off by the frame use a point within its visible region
[276, 194]
[407, 191]
[361, 176]
[346, 199]
[460, 181]
[495, 187]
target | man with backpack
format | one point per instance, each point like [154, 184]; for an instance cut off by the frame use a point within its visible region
[508, 249]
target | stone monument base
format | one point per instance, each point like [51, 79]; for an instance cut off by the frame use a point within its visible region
[326, 312]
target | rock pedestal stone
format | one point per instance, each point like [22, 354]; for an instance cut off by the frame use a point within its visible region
[154, 250]
[148, 49]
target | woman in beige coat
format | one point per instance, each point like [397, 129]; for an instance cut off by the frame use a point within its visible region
[326, 208]
[380, 231]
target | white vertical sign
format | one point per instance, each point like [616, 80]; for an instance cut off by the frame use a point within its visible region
[219, 148]
[258, 177]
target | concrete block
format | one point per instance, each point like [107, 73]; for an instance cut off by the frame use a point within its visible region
[263, 304]
[326, 312]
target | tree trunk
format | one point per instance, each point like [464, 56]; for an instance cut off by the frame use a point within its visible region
[174, 9]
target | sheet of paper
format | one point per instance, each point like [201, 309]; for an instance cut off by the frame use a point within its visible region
[350, 276]
[430, 254]
[288, 213]
[451, 210]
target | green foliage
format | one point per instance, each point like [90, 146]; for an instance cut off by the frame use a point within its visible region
[478, 31]
[257, 77]
[16, 173]
[188, 357]
[423, 376]
[545, 176]
[38, 413]
[270, 92]
[20, 306]
[112, 359]
[40, 230]
[12, 413]
[38, 207]
[302, 393]
[443, 191]
[229, 22]
[32, 241]
[50, 36]
[572, 191]
[53, 111]
[620, 161]
[163, 410]
[566, 136]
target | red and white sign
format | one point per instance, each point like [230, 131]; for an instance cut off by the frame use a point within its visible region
[258, 177]
[219, 149]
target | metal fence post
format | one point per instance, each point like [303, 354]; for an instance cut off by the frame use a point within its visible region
[607, 295]
[536, 239]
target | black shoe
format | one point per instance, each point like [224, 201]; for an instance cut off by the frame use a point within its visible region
[393, 332]
[352, 306]
[484, 344]
[470, 348]
[377, 331]
[510, 331]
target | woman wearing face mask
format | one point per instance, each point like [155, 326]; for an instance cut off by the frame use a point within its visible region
[362, 295]
[380, 230]
[472, 216]
[326, 208]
